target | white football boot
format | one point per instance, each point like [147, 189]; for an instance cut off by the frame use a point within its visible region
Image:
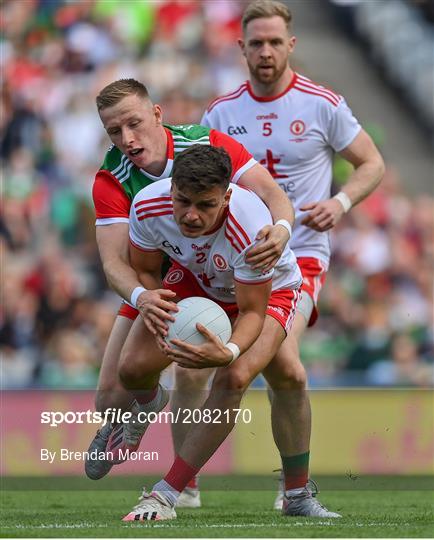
[189, 498]
[306, 504]
[152, 507]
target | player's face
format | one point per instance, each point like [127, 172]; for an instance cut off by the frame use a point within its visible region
[134, 126]
[267, 46]
[199, 213]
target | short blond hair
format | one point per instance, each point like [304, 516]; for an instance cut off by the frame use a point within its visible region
[113, 93]
[264, 9]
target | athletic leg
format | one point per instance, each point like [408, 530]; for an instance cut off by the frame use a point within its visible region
[190, 393]
[287, 378]
[203, 439]
[140, 365]
[226, 392]
[288, 358]
[109, 394]
[141, 361]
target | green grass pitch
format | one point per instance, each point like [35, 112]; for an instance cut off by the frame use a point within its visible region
[75, 512]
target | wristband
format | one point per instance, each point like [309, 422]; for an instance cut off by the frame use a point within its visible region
[344, 200]
[285, 224]
[235, 350]
[135, 295]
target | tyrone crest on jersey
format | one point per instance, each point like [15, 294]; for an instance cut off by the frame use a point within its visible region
[220, 262]
[237, 130]
[298, 127]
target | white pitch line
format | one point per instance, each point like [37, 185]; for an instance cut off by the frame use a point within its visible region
[235, 526]
[157, 525]
[56, 526]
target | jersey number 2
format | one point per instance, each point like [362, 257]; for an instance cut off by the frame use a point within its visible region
[200, 257]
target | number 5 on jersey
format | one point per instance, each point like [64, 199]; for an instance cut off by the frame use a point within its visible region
[267, 129]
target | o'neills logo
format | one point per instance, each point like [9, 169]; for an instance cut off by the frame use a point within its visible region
[195, 247]
[278, 310]
[271, 116]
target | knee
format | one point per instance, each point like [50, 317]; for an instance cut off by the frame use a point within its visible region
[191, 380]
[289, 376]
[234, 381]
[132, 373]
[127, 373]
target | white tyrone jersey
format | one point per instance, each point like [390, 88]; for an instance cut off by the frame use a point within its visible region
[217, 259]
[294, 135]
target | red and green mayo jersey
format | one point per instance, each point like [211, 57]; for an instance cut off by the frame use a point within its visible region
[119, 180]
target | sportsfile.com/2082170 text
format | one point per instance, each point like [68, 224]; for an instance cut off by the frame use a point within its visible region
[183, 416]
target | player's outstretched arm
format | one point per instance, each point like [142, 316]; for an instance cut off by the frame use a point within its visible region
[252, 302]
[368, 172]
[153, 303]
[266, 254]
[113, 241]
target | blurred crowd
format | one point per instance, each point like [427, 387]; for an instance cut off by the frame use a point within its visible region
[376, 324]
[398, 38]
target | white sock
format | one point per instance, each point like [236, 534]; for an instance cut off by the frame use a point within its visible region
[168, 492]
[293, 492]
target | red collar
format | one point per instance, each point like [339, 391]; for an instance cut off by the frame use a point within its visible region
[272, 98]
[170, 153]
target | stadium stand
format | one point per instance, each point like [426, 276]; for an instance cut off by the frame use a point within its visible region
[399, 39]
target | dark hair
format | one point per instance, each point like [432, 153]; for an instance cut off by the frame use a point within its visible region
[265, 9]
[113, 93]
[201, 167]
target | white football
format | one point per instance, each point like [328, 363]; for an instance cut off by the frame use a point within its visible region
[195, 310]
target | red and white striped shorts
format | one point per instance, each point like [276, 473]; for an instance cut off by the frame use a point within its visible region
[314, 274]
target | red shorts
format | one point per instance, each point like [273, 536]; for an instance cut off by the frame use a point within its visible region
[314, 274]
[128, 311]
[281, 304]
[313, 271]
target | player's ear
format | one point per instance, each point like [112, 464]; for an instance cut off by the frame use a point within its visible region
[242, 46]
[227, 197]
[292, 42]
[158, 113]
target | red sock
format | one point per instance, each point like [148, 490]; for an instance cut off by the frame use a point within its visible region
[145, 396]
[295, 470]
[194, 482]
[180, 474]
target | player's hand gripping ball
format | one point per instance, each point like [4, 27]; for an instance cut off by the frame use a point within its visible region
[195, 310]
